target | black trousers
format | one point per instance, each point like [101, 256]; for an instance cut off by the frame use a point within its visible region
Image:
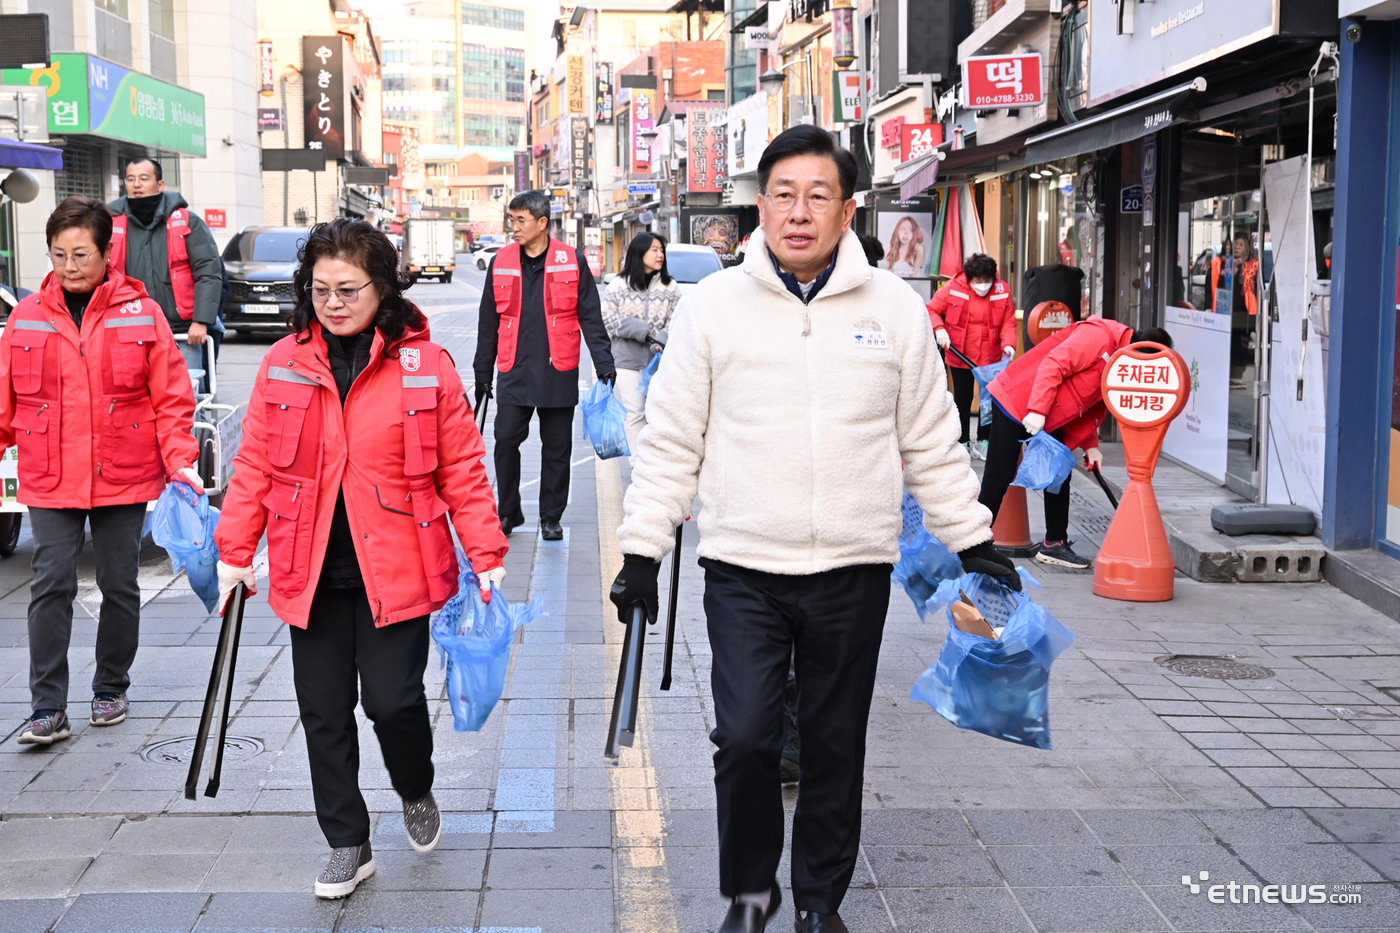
[1003, 456]
[339, 646]
[556, 446]
[962, 397]
[835, 621]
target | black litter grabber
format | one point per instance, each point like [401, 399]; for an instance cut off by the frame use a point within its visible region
[482, 404]
[958, 353]
[671, 608]
[623, 727]
[217, 701]
[1103, 484]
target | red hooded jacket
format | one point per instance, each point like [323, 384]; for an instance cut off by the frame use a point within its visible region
[978, 327]
[300, 446]
[100, 417]
[1062, 379]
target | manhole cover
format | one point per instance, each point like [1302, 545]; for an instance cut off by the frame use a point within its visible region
[179, 751]
[1201, 665]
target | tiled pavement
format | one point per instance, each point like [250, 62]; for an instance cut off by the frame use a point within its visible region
[1288, 780]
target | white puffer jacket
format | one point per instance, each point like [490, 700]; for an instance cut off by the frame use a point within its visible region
[791, 421]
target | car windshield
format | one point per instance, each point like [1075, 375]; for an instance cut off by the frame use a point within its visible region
[265, 246]
[691, 266]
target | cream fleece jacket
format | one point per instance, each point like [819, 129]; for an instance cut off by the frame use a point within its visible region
[791, 420]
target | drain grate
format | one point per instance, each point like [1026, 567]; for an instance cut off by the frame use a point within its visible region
[178, 752]
[1214, 668]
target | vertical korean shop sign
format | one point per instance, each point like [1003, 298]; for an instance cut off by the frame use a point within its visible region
[578, 150]
[992, 82]
[522, 171]
[643, 117]
[323, 94]
[603, 94]
[704, 147]
[574, 86]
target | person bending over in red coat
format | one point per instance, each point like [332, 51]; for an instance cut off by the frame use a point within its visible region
[357, 446]
[975, 314]
[1056, 387]
[96, 397]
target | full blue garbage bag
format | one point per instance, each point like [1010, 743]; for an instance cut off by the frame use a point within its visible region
[984, 376]
[1045, 464]
[647, 373]
[924, 563]
[602, 422]
[999, 687]
[474, 638]
[183, 523]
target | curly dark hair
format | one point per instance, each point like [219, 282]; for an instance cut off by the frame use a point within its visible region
[360, 243]
[980, 266]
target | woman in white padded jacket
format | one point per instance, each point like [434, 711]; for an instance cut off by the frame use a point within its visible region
[637, 308]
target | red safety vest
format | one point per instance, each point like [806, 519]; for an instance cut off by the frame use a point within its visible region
[1249, 269]
[560, 304]
[177, 227]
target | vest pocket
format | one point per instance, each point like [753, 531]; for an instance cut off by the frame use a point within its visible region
[434, 538]
[286, 403]
[291, 514]
[128, 450]
[27, 360]
[130, 356]
[563, 291]
[420, 432]
[38, 445]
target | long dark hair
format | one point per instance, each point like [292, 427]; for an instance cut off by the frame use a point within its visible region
[634, 270]
[361, 244]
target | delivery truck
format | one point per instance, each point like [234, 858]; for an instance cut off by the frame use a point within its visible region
[429, 248]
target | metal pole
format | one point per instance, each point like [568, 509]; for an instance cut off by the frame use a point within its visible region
[233, 620]
[286, 144]
[671, 608]
[623, 726]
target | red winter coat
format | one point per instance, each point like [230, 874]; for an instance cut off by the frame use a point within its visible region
[100, 417]
[978, 327]
[1061, 378]
[300, 447]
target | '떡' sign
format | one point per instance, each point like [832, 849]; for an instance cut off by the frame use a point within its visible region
[991, 82]
[323, 94]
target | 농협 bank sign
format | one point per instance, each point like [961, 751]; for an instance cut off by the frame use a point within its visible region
[90, 95]
[1134, 44]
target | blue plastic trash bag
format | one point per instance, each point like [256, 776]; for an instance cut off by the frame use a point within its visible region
[183, 523]
[997, 687]
[647, 373]
[984, 376]
[602, 422]
[474, 640]
[1045, 464]
[913, 518]
[924, 563]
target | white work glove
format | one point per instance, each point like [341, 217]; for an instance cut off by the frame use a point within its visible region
[1008, 351]
[1033, 423]
[496, 575]
[1093, 458]
[190, 478]
[229, 577]
[941, 336]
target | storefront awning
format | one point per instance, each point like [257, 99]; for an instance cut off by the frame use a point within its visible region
[966, 161]
[1114, 127]
[17, 154]
[917, 175]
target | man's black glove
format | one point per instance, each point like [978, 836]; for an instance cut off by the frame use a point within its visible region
[635, 583]
[985, 558]
[609, 378]
[483, 390]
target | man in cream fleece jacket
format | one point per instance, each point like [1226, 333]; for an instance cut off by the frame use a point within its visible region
[793, 389]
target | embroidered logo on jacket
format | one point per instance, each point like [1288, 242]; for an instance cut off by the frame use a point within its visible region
[560, 256]
[132, 307]
[409, 359]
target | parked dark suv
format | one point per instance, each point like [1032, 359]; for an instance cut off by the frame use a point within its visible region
[260, 263]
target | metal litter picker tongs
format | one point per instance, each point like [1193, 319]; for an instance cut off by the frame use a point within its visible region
[219, 696]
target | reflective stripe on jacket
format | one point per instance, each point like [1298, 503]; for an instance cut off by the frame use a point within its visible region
[1061, 378]
[406, 453]
[560, 304]
[177, 227]
[102, 416]
[977, 326]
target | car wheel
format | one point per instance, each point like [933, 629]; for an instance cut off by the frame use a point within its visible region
[10, 523]
[245, 331]
[447, 278]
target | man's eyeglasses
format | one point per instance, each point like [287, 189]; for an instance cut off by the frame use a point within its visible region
[60, 260]
[785, 201]
[346, 295]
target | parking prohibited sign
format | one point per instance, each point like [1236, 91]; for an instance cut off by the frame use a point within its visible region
[1145, 388]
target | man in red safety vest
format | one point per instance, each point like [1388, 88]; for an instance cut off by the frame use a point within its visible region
[538, 300]
[160, 242]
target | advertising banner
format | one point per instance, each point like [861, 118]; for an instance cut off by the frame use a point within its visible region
[1199, 435]
[216, 218]
[847, 96]
[578, 158]
[603, 93]
[522, 171]
[643, 119]
[704, 148]
[266, 61]
[992, 82]
[748, 134]
[323, 94]
[919, 139]
[575, 94]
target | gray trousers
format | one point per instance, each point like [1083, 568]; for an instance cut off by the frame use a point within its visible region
[58, 543]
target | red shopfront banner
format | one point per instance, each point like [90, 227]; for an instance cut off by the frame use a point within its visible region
[643, 119]
[705, 147]
[919, 139]
[992, 82]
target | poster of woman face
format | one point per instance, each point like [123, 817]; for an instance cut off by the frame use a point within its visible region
[906, 231]
[720, 232]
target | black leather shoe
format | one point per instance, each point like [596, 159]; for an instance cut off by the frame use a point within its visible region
[819, 923]
[551, 531]
[746, 918]
[509, 524]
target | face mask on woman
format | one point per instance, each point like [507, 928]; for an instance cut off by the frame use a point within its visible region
[981, 288]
